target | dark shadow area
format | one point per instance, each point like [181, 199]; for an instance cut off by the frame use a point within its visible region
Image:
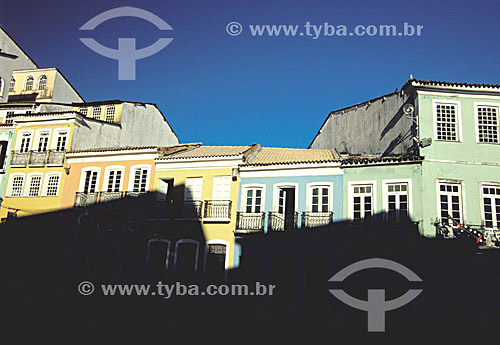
[138, 240]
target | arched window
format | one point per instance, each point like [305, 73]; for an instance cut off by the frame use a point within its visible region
[12, 84]
[42, 82]
[28, 84]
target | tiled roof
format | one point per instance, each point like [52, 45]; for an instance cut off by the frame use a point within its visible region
[209, 151]
[372, 160]
[166, 148]
[44, 113]
[89, 104]
[417, 82]
[276, 155]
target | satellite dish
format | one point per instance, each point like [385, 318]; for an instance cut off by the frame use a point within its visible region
[408, 109]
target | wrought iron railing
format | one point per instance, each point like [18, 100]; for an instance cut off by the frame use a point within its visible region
[110, 196]
[192, 209]
[38, 158]
[217, 209]
[86, 199]
[135, 194]
[315, 219]
[19, 158]
[277, 221]
[250, 222]
[56, 157]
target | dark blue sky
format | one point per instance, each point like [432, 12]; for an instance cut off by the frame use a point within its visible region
[276, 91]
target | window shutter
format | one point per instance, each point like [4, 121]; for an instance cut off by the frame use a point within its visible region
[162, 190]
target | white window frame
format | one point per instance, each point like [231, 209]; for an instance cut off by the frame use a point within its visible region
[8, 192]
[225, 177]
[39, 81]
[107, 172]
[226, 261]
[132, 175]
[82, 178]
[55, 136]
[385, 195]
[276, 188]
[461, 191]
[12, 85]
[26, 83]
[46, 184]
[19, 139]
[245, 188]
[100, 113]
[435, 102]
[350, 197]
[38, 134]
[27, 185]
[483, 218]
[109, 107]
[187, 240]
[309, 188]
[201, 188]
[84, 111]
[478, 105]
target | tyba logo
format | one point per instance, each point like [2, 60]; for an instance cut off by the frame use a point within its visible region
[126, 54]
[376, 305]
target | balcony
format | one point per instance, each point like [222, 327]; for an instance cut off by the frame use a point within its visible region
[85, 199]
[134, 194]
[38, 158]
[249, 222]
[316, 219]
[217, 211]
[191, 209]
[282, 222]
[110, 196]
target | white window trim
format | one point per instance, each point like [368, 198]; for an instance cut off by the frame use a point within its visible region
[216, 241]
[131, 176]
[245, 188]
[55, 136]
[476, 119]
[185, 189]
[20, 138]
[213, 186]
[36, 138]
[107, 170]
[28, 184]
[385, 194]
[40, 79]
[463, 216]
[164, 240]
[435, 102]
[82, 178]
[350, 196]
[26, 82]
[276, 188]
[187, 240]
[8, 192]
[309, 188]
[13, 86]
[481, 195]
[46, 184]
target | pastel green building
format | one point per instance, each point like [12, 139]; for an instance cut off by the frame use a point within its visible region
[429, 150]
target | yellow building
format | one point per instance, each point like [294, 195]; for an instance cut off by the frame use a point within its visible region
[202, 184]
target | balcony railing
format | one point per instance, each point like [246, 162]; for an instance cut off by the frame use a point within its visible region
[110, 196]
[135, 194]
[20, 158]
[56, 157]
[282, 222]
[192, 209]
[250, 222]
[85, 199]
[315, 219]
[217, 209]
[38, 158]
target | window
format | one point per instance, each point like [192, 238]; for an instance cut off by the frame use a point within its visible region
[43, 141]
[215, 263]
[52, 185]
[42, 82]
[16, 185]
[222, 188]
[25, 142]
[140, 180]
[28, 84]
[446, 121]
[487, 124]
[10, 117]
[34, 185]
[396, 199]
[62, 137]
[83, 111]
[1, 87]
[320, 199]
[450, 200]
[114, 180]
[362, 202]
[192, 189]
[253, 200]
[96, 113]
[110, 113]
[491, 206]
[90, 184]
[12, 84]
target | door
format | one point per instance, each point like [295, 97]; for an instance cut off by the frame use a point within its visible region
[286, 206]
